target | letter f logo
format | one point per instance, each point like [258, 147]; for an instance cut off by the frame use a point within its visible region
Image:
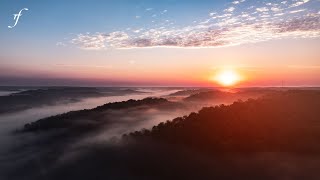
[17, 16]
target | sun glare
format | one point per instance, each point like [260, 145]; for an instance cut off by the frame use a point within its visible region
[227, 77]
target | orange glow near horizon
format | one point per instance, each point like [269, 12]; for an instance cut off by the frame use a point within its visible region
[227, 77]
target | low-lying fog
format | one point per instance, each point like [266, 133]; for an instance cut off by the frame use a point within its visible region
[124, 122]
[14, 121]
[6, 93]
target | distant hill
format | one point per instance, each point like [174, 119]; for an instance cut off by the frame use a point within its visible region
[50, 96]
[91, 119]
[209, 95]
[189, 92]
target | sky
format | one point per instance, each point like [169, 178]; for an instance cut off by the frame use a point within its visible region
[159, 43]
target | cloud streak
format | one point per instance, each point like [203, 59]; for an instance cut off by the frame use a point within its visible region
[232, 26]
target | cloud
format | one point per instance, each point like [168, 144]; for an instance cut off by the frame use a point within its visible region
[224, 28]
[298, 3]
[275, 9]
[308, 26]
[212, 13]
[296, 11]
[61, 44]
[238, 2]
[230, 9]
[88, 41]
[163, 12]
[99, 41]
[262, 9]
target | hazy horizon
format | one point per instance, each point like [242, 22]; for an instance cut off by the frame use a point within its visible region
[157, 43]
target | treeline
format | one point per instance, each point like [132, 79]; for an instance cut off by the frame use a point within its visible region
[87, 119]
[285, 121]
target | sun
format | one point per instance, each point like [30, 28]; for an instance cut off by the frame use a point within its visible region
[227, 77]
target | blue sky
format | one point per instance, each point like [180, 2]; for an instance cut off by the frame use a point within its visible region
[59, 20]
[98, 15]
[48, 22]
[119, 39]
